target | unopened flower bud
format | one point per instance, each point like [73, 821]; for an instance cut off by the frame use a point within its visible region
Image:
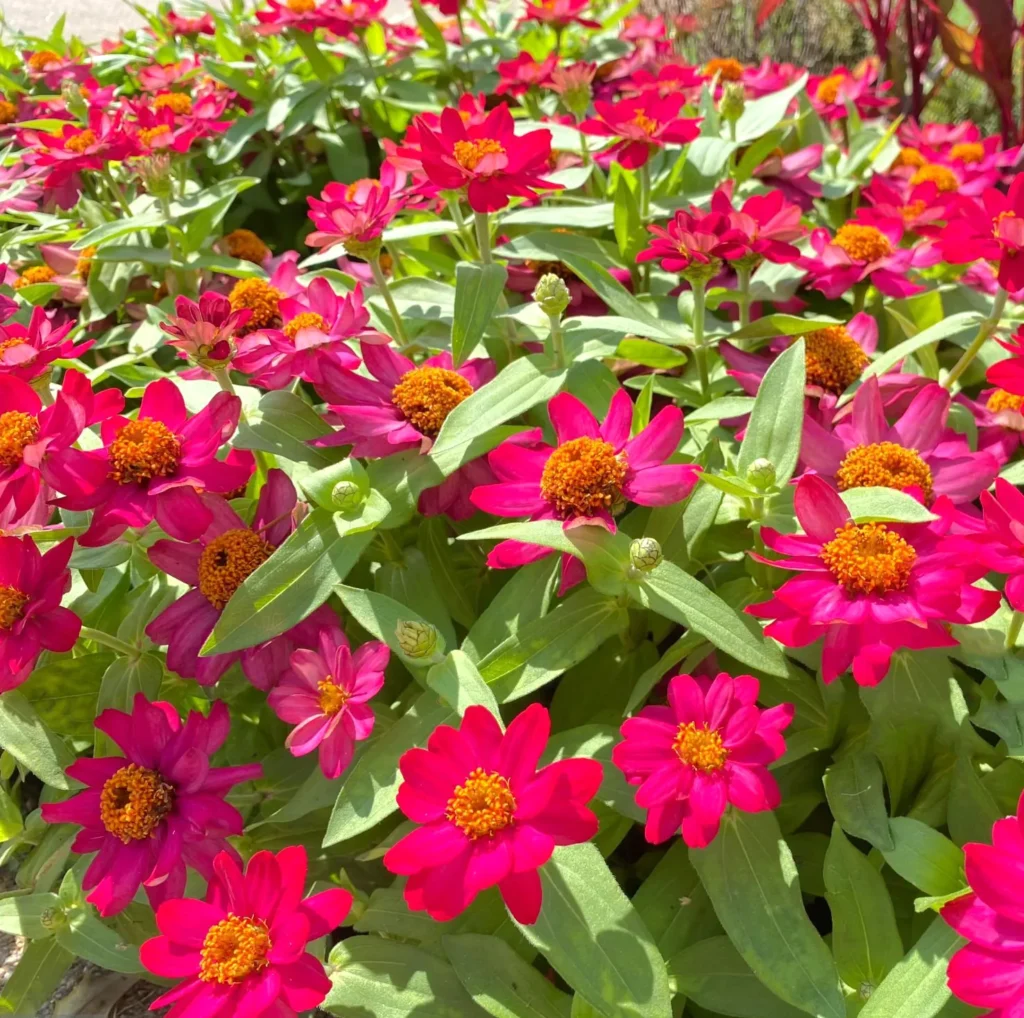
[247, 35]
[733, 101]
[71, 93]
[418, 640]
[155, 174]
[761, 473]
[347, 495]
[865, 990]
[53, 919]
[645, 554]
[552, 294]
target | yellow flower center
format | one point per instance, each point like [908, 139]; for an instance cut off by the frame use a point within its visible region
[999, 400]
[968, 152]
[84, 264]
[863, 243]
[226, 562]
[582, 477]
[235, 947]
[912, 210]
[828, 88]
[133, 803]
[41, 60]
[350, 191]
[142, 450]
[34, 274]
[483, 805]
[17, 429]
[8, 112]
[332, 696]
[468, 154]
[727, 69]
[301, 6]
[909, 157]
[260, 298]
[304, 320]
[177, 102]
[7, 344]
[12, 606]
[998, 222]
[700, 747]
[941, 176]
[426, 396]
[247, 245]
[833, 358]
[884, 465]
[869, 559]
[81, 141]
[150, 134]
[646, 124]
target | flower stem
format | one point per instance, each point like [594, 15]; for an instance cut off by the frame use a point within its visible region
[743, 300]
[106, 640]
[465, 234]
[700, 355]
[557, 344]
[385, 292]
[1014, 629]
[483, 236]
[115, 190]
[645, 193]
[985, 329]
[223, 376]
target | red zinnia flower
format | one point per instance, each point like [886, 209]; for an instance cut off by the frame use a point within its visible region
[190, 26]
[559, 13]
[695, 238]
[518, 76]
[77, 148]
[1001, 545]
[27, 351]
[242, 951]
[642, 124]
[488, 816]
[304, 15]
[710, 747]
[830, 93]
[157, 809]
[204, 332]
[767, 221]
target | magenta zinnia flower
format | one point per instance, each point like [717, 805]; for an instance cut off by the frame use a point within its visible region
[767, 221]
[324, 695]
[355, 215]
[1001, 544]
[149, 468]
[709, 747]
[242, 951]
[156, 810]
[868, 589]
[27, 351]
[523, 73]
[559, 13]
[643, 125]
[204, 331]
[695, 238]
[488, 816]
[31, 616]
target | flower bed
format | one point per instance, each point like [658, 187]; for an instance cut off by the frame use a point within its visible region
[499, 518]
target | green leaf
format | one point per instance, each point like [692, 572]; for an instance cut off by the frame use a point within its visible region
[283, 424]
[25, 916]
[428, 29]
[749, 873]
[64, 692]
[31, 743]
[761, 115]
[717, 409]
[650, 353]
[478, 288]
[964, 324]
[37, 974]
[856, 796]
[590, 932]
[38, 294]
[885, 504]
[457, 681]
[776, 421]
[972, 808]
[500, 981]
[151, 219]
[924, 857]
[380, 615]
[90, 939]
[771, 326]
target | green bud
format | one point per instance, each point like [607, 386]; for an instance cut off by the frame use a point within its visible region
[247, 35]
[418, 640]
[645, 554]
[733, 101]
[761, 473]
[53, 919]
[552, 294]
[865, 990]
[697, 272]
[341, 487]
[367, 250]
[346, 496]
[154, 172]
[73, 99]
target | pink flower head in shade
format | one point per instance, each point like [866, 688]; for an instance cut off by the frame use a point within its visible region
[150, 467]
[642, 124]
[156, 810]
[183, 26]
[767, 221]
[592, 472]
[920, 453]
[355, 215]
[486, 159]
[242, 951]
[215, 566]
[989, 971]
[559, 13]
[488, 816]
[830, 93]
[868, 589]
[30, 433]
[204, 331]
[31, 616]
[790, 173]
[324, 695]
[709, 747]
[27, 351]
[518, 76]
[695, 238]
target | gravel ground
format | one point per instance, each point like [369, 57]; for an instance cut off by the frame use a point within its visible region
[91, 19]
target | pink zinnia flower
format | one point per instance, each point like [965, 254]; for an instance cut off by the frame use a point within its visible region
[999, 415]
[709, 747]
[523, 73]
[643, 125]
[868, 589]
[31, 616]
[670, 79]
[242, 951]
[204, 331]
[304, 15]
[1001, 544]
[27, 351]
[559, 13]
[157, 77]
[187, 27]
[355, 215]
[694, 237]
[20, 187]
[324, 695]
[488, 816]
[922, 207]
[830, 93]
[790, 173]
[767, 221]
[77, 148]
[156, 810]
[150, 467]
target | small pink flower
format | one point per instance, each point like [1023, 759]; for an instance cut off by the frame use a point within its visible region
[559, 13]
[324, 695]
[27, 351]
[643, 125]
[303, 15]
[1001, 543]
[695, 238]
[190, 27]
[830, 93]
[519, 76]
[709, 747]
[767, 221]
[204, 331]
[156, 810]
[355, 215]
[790, 173]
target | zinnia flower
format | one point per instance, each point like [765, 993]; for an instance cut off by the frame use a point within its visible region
[242, 951]
[767, 221]
[31, 616]
[190, 27]
[324, 695]
[156, 810]
[1008, 374]
[204, 331]
[355, 215]
[559, 13]
[830, 93]
[304, 15]
[790, 173]
[523, 73]
[262, 297]
[1001, 544]
[695, 241]
[709, 747]
[868, 589]
[27, 351]
[643, 125]
[488, 816]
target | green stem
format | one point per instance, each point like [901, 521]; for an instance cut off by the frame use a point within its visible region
[385, 292]
[455, 208]
[985, 329]
[106, 640]
[743, 300]
[860, 296]
[223, 376]
[557, 342]
[115, 190]
[700, 355]
[645, 192]
[483, 236]
[1014, 630]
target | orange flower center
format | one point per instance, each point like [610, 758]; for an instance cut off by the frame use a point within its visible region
[350, 191]
[468, 154]
[247, 245]
[700, 747]
[177, 102]
[559, 269]
[426, 396]
[968, 152]
[133, 803]
[941, 176]
[646, 124]
[909, 157]
[34, 274]
[305, 320]
[912, 210]
[7, 344]
[227, 561]
[301, 6]
[142, 450]
[998, 222]
[17, 429]
[833, 358]
[150, 134]
[260, 298]
[234, 948]
[727, 68]
[81, 141]
[12, 606]
[828, 88]
[8, 112]
[41, 60]
[869, 559]
[582, 477]
[884, 465]
[482, 805]
[332, 696]
[863, 243]
[999, 400]
[84, 264]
